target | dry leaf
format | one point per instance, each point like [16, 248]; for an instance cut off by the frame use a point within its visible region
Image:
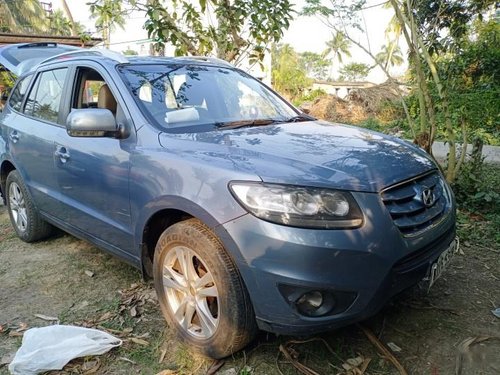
[133, 312]
[125, 359]
[6, 359]
[383, 350]
[167, 372]
[106, 316]
[394, 347]
[91, 367]
[22, 327]
[139, 341]
[215, 366]
[162, 355]
[47, 318]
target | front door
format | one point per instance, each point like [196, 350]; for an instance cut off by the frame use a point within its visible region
[93, 173]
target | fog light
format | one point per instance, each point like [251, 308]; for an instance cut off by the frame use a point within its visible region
[315, 303]
[313, 299]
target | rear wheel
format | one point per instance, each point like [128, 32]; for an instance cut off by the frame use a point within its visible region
[25, 219]
[201, 292]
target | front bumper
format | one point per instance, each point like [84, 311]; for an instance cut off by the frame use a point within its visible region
[373, 263]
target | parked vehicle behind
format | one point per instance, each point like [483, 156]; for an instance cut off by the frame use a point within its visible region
[248, 213]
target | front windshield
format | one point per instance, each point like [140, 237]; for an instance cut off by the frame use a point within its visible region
[198, 98]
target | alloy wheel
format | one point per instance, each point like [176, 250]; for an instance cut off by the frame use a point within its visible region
[17, 205]
[191, 292]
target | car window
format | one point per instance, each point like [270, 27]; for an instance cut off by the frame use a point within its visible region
[17, 97]
[45, 99]
[197, 98]
[92, 91]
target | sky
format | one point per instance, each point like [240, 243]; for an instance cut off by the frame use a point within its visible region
[304, 33]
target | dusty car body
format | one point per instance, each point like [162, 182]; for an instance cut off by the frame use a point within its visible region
[248, 213]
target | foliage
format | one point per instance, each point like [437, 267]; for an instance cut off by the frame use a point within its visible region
[231, 30]
[315, 65]
[478, 186]
[337, 47]
[313, 95]
[288, 75]
[59, 24]
[108, 14]
[472, 77]
[433, 17]
[477, 190]
[26, 16]
[354, 71]
[309, 96]
[390, 55]
[454, 65]
[130, 52]
[7, 79]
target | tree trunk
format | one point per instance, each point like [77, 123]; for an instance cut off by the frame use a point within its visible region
[70, 17]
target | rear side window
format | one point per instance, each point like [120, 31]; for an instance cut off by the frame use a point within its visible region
[45, 98]
[17, 97]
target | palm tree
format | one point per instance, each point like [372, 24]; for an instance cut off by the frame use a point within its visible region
[108, 14]
[390, 55]
[26, 16]
[59, 24]
[337, 47]
[74, 27]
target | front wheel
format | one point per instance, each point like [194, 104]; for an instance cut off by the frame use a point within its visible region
[200, 291]
[25, 219]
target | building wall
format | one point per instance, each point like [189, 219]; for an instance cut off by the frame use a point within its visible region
[340, 89]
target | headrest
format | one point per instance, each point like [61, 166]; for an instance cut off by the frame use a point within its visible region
[106, 99]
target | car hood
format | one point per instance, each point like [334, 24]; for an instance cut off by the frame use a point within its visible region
[313, 153]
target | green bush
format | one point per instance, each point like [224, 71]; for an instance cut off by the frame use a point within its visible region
[477, 187]
[310, 96]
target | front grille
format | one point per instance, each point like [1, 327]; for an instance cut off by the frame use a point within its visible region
[426, 253]
[407, 204]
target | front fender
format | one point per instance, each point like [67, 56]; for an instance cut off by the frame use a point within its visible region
[170, 202]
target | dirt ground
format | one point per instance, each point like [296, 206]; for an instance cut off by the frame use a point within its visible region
[450, 330]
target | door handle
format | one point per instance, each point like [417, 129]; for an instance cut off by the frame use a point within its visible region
[14, 136]
[62, 154]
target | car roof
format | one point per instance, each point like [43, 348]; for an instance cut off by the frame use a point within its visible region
[115, 58]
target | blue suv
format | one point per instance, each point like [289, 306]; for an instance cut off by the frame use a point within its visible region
[248, 213]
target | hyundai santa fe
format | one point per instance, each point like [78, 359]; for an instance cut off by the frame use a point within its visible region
[247, 213]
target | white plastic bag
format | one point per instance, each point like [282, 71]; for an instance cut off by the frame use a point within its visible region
[52, 347]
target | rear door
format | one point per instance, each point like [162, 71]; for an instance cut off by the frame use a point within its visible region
[31, 123]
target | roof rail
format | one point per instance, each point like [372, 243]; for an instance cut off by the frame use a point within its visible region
[214, 60]
[118, 57]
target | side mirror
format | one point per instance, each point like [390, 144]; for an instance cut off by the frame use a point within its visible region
[305, 110]
[92, 122]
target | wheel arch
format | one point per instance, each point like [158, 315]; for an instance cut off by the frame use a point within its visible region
[161, 215]
[5, 169]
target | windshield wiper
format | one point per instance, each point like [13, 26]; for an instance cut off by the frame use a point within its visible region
[243, 123]
[300, 118]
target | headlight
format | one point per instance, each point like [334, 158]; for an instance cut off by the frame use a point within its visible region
[298, 206]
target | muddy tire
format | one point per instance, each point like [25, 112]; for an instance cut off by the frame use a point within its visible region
[25, 219]
[201, 293]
